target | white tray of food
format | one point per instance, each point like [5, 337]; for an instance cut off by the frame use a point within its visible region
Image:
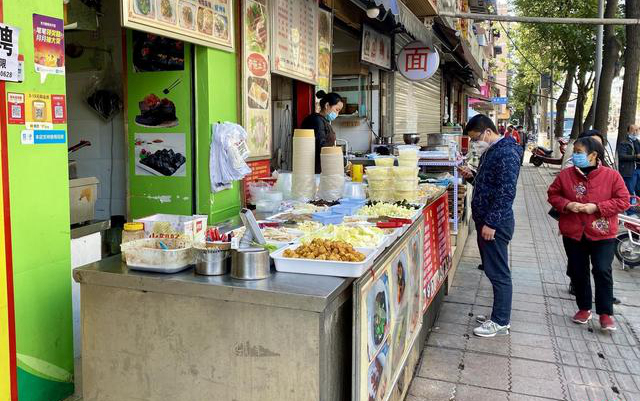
[148, 255]
[324, 267]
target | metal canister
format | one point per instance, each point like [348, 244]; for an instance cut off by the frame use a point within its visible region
[250, 264]
[213, 259]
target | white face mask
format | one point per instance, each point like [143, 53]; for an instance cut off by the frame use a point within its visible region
[480, 146]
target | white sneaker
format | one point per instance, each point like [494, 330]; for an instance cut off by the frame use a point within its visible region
[482, 318]
[491, 329]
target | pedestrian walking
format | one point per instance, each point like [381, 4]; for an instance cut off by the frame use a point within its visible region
[523, 141]
[629, 161]
[589, 197]
[492, 210]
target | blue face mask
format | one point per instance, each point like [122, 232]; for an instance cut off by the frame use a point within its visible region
[580, 160]
[332, 116]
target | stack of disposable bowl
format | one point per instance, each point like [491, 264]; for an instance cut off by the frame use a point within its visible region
[331, 184]
[405, 183]
[380, 183]
[385, 161]
[408, 156]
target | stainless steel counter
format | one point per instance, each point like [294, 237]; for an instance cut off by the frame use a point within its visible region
[287, 290]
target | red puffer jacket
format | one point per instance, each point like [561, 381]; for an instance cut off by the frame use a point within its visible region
[604, 187]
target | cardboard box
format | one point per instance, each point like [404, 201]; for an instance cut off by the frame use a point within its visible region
[175, 226]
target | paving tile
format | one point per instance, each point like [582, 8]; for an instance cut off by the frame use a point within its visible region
[521, 397]
[440, 364]
[496, 346]
[450, 328]
[536, 370]
[537, 387]
[531, 328]
[532, 340]
[473, 393]
[446, 340]
[533, 353]
[475, 371]
[433, 390]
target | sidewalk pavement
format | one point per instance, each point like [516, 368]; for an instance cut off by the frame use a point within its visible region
[547, 356]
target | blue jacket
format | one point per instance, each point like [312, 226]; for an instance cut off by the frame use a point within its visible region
[495, 183]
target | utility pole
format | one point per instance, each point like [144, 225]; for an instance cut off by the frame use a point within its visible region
[598, 66]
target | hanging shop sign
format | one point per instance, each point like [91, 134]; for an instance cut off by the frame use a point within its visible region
[375, 48]
[15, 108]
[417, 61]
[9, 63]
[325, 41]
[203, 22]
[48, 45]
[256, 78]
[294, 43]
[388, 321]
[499, 100]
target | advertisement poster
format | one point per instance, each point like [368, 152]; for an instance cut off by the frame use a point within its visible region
[38, 114]
[256, 79]
[15, 108]
[295, 39]
[325, 41]
[204, 22]
[161, 155]
[437, 248]
[48, 45]
[156, 113]
[153, 53]
[388, 320]
[9, 63]
[58, 109]
[376, 48]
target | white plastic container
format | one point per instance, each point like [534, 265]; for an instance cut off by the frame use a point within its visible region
[324, 267]
[378, 172]
[147, 255]
[384, 161]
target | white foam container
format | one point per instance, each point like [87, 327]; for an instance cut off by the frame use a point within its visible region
[325, 267]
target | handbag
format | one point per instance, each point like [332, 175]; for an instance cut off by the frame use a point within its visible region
[554, 213]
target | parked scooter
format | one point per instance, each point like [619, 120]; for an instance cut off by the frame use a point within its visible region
[628, 244]
[540, 154]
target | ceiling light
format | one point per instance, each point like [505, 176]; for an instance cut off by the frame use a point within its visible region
[373, 12]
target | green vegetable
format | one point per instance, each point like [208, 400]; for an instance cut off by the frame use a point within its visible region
[268, 247]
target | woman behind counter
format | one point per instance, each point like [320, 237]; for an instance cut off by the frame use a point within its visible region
[330, 106]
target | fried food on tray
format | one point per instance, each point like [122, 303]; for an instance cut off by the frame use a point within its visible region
[320, 249]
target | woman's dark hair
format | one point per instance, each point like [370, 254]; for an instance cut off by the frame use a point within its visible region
[479, 123]
[332, 98]
[590, 133]
[591, 145]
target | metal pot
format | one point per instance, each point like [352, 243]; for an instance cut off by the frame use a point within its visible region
[250, 264]
[212, 262]
[411, 139]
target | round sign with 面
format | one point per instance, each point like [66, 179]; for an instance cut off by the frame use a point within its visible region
[417, 61]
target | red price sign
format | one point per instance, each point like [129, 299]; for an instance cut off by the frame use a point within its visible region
[259, 169]
[437, 248]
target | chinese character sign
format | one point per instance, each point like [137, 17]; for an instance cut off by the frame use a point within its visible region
[418, 62]
[9, 53]
[48, 45]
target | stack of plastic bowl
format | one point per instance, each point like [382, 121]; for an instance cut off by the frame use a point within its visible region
[405, 183]
[304, 179]
[380, 183]
[385, 161]
[408, 156]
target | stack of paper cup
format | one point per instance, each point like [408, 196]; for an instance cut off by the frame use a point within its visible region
[304, 156]
[332, 177]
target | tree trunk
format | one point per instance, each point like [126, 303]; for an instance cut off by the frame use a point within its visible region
[589, 117]
[561, 104]
[578, 119]
[629, 101]
[610, 56]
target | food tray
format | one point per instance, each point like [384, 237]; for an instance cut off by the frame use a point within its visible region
[146, 255]
[328, 218]
[346, 209]
[324, 267]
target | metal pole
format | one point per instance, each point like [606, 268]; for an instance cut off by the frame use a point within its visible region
[599, 46]
[543, 20]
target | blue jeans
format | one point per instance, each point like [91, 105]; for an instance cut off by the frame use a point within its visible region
[632, 184]
[495, 260]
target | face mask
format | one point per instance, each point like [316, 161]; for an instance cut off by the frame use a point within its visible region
[332, 116]
[580, 160]
[480, 147]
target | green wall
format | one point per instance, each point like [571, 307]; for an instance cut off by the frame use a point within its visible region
[39, 194]
[158, 194]
[216, 89]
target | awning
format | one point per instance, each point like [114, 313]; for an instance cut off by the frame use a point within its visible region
[460, 49]
[413, 25]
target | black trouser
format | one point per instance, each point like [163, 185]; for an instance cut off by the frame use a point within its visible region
[599, 254]
[495, 260]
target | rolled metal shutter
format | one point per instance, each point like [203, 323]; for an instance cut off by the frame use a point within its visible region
[416, 107]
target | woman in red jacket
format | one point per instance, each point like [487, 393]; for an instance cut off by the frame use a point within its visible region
[589, 197]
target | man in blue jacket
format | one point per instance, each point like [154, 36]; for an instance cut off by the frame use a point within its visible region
[492, 210]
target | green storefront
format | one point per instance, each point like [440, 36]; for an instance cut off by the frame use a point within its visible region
[106, 66]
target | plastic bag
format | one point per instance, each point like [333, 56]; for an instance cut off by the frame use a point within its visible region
[331, 187]
[103, 92]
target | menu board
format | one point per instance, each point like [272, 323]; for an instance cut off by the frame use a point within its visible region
[436, 248]
[325, 40]
[204, 22]
[388, 318]
[294, 42]
[376, 48]
[256, 78]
